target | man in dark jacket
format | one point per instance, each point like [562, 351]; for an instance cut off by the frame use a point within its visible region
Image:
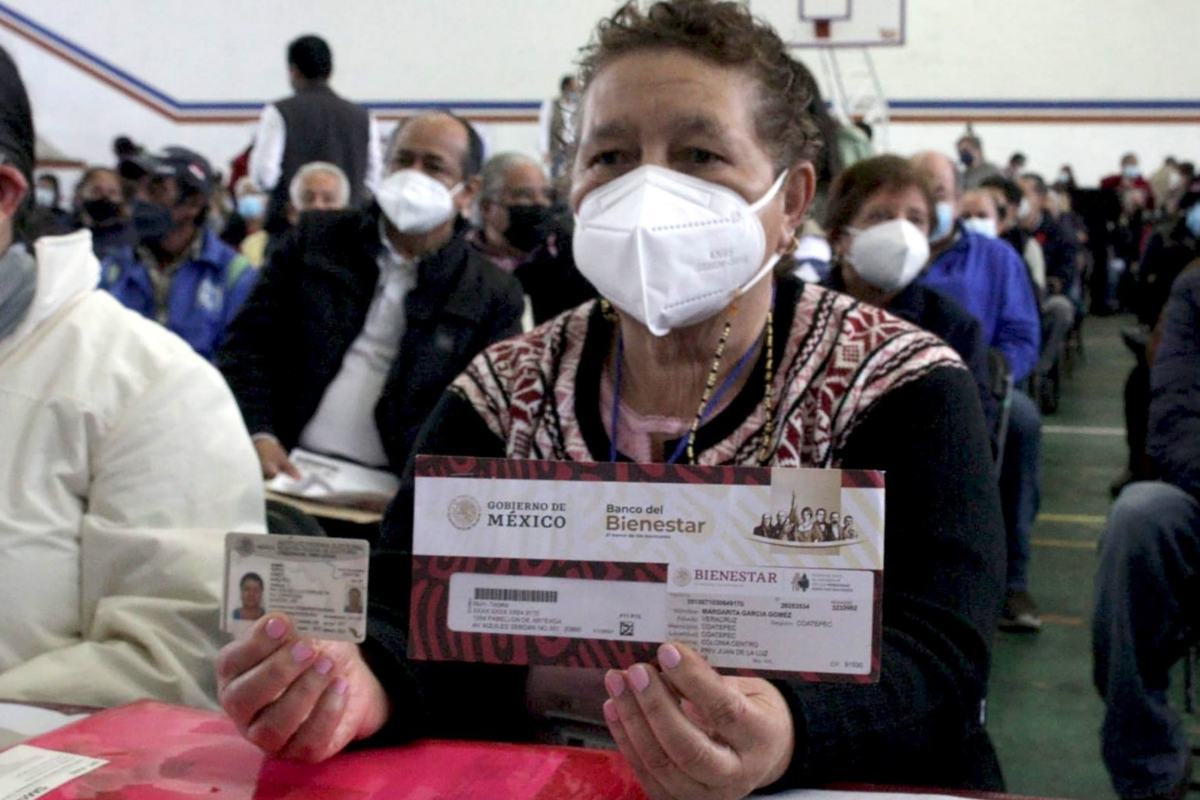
[362, 319]
[1148, 578]
[314, 124]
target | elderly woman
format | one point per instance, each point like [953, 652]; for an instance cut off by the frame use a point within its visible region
[878, 220]
[693, 169]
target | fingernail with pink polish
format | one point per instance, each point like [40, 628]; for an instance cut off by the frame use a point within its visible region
[669, 656]
[639, 677]
[324, 665]
[275, 628]
[614, 683]
[610, 711]
[340, 686]
[301, 652]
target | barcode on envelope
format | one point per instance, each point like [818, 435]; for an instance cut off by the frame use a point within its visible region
[516, 595]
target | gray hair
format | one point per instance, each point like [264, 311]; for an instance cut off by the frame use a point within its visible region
[496, 170]
[296, 188]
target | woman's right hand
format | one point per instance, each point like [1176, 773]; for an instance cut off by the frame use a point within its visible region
[298, 698]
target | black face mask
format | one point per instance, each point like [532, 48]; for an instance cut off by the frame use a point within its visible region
[101, 210]
[151, 221]
[966, 157]
[528, 227]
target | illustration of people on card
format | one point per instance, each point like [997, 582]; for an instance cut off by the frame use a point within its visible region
[821, 526]
[848, 532]
[804, 533]
[251, 589]
[806, 526]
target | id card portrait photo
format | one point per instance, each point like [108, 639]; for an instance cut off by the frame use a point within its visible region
[321, 584]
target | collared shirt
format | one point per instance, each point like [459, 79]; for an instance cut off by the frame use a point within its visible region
[163, 275]
[344, 423]
[266, 157]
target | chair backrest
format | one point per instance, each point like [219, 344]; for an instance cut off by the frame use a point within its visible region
[287, 520]
[1002, 389]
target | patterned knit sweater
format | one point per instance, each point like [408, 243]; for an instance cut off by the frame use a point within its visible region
[538, 393]
[854, 388]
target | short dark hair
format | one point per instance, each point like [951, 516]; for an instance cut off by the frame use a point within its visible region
[472, 162]
[852, 188]
[724, 33]
[972, 140]
[124, 147]
[565, 82]
[1039, 183]
[1012, 192]
[1017, 158]
[311, 57]
[251, 576]
[50, 178]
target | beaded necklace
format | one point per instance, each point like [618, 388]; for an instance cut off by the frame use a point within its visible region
[710, 400]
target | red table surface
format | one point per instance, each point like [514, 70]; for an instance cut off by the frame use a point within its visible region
[162, 752]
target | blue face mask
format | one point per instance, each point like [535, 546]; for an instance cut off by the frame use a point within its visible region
[1192, 220]
[945, 222]
[252, 206]
[1132, 172]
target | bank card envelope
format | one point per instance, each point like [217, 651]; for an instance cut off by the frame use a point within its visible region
[775, 572]
[321, 584]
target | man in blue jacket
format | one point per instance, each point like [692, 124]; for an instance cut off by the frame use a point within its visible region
[988, 279]
[1148, 579]
[180, 273]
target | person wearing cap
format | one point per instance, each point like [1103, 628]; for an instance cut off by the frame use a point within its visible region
[124, 464]
[314, 124]
[180, 272]
[362, 318]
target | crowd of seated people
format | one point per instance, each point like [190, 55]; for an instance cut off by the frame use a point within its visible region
[364, 300]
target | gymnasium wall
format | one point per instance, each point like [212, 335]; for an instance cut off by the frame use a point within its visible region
[1076, 81]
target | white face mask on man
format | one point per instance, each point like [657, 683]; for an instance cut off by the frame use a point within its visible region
[669, 249]
[414, 202]
[890, 255]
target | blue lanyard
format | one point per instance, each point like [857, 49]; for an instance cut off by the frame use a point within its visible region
[738, 368]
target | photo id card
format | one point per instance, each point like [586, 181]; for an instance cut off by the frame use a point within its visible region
[320, 584]
[773, 572]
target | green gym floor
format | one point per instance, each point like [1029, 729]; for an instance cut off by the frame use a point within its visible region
[1044, 714]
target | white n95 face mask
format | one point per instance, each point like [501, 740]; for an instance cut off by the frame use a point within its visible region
[890, 255]
[668, 249]
[414, 202]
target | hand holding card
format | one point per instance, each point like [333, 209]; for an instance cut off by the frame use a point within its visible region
[321, 584]
[295, 697]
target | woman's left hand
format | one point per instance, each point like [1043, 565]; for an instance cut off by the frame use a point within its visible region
[688, 732]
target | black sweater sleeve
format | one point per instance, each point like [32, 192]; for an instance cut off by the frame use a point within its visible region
[479, 701]
[943, 578]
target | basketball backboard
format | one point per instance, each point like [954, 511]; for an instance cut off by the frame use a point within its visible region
[835, 23]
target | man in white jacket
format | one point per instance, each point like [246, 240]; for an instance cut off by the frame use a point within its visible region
[123, 463]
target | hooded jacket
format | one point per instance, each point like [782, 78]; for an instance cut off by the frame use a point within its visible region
[123, 464]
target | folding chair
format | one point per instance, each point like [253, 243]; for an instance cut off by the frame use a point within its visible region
[1002, 389]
